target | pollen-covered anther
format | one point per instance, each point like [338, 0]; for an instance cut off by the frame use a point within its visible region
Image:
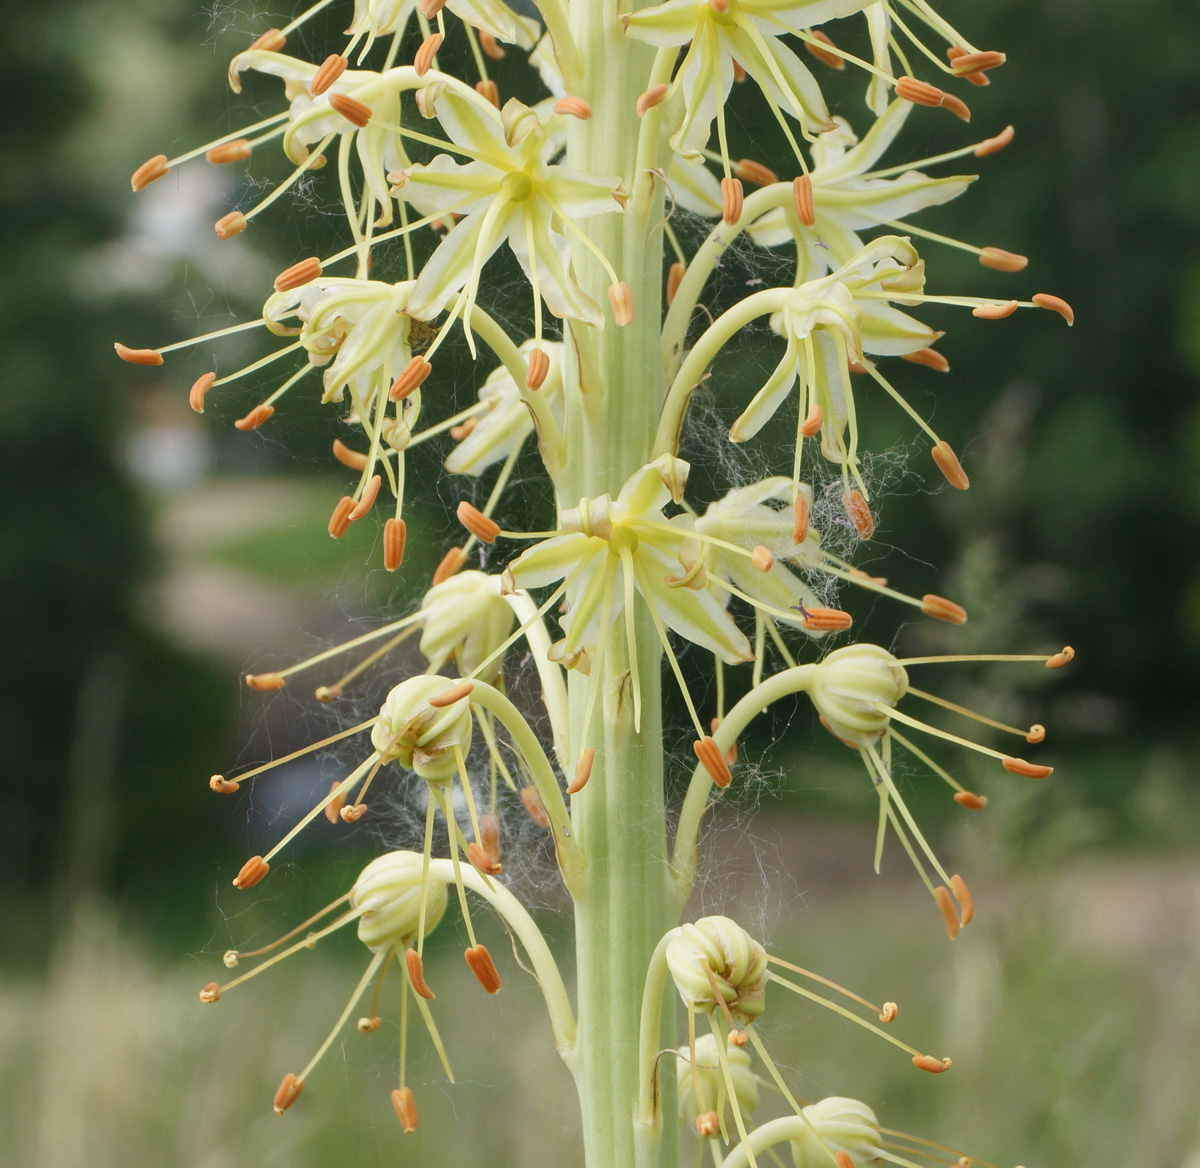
[995, 311]
[1054, 304]
[708, 1124]
[271, 41]
[942, 609]
[926, 1062]
[356, 112]
[826, 620]
[304, 272]
[353, 813]
[368, 1025]
[823, 55]
[920, 92]
[1036, 733]
[731, 199]
[802, 200]
[648, 100]
[539, 367]
[334, 807]
[859, 513]
[138, 356]
[455, 693]
[230, 958]
[230, 225]
[288, 1093]
[211, 993]
[406, 1109]
[490, 45]
[889, 1012]
[477, 523]
[620, 296]
[755, 172]
[395, 533]
[260, 415]
[674, 278]
[265, 682]
[416, 973]
[991, 145]
[963, 895]
[711, 759]
[150, 171]
[413, 376]
[200, 387]
[965, 64]
[327, 693]
[583, 771]
[1031, 770]
[1061, 658]
[535, 806]
[222, 785]
[331, 69]
[449, 564]
[425, 54]
[574, 107]
[813, 420]
[799, 519]
[251, 872]
[762, 558]
[339, 521]
[483, 967]
[946, 905]
[970, 800]
[367, 501]
[236, 151]
[1003, 261]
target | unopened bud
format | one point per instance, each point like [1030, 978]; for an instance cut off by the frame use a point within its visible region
[854, 687]
[389, 891]
[717, 951]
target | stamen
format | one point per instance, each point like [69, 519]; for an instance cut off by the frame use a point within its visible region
[479, 525]
[236, 151]
[1061, 658]
[708, 1124]
[406, 1109]
[966, 713]
[946, 906]
[889, 1012]
[138, 356]
[1003, 261]
[620, 296]
[265, 682]
[1018, 766]
[395, 532]
[414, 375]
[416, 973]
[251, 872]
[957, 107]
[761, 558]
[298, 274]
[991, 145]
[963, 895]
[152, 170]
[288, 1093]
[830, 59]
[674, 279]
[490, 45]
[484, 968]
[648, 100]
[826, 620]
[331, 69]
[802, 200]
[755, 172]
[355, 813]
[965, 64]
[449, 565]
[452, 695]
[222, 785]
[710, 757]
[583, 771]
[488, 90]
[535, 806]
[347, 457]
[956, 51]
[919, 92]
[230, 225]
[574, 107]
[842, 1159]
[1036, 733]
[994, 311]
[425, 54]
[200, 387]
[334, 807]
[731, 199]
[260, 415]
[800, 524]
[948, 464]
[731, 755]
[1055, 304]
[926, 1062]
[970, 800]
[368, 498]
[210, 993]
[271, 41]
[539, 367]
[339, 521]
[859, 513]
[356, 112]
[942, 609]
[885, 1014]
[930, 358]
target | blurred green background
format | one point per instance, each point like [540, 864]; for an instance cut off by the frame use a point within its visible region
[148, 556]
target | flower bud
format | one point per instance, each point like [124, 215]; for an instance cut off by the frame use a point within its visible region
[850, 684]
[389, 888]
[421, 737]
[467, 619]
[845, 1125]
[737, 963]
[706, 1073]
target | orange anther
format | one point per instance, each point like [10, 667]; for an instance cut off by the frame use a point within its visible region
[489, 45]
[288, 1093]
[991, 145]
[484, 968]
[265, 682]
[731, 755]
[1067, 654]
[826, 620]
[230, 225]
[919, 92]
[138, 356]
[956, 51]
[970, 800]
[455, 693]
[1031, 770]
[489, 838]
[211, 993]
[487, 89]
[620, 296]
[150, 171]
[1055, 304]
[406, 1109]
[947, 907]
[842, 1159]
[353, 813]
[813, 421]
[951, 468]
[762, 558]
[430, 8]
[1037, 733]
[298, 275]
[450, 563]
[942, 609]
[889, 1012]
[477, 523]
[823, 55]
[236, 151]
[271, 41]
[844, 741]
[963, 895]
[721, 6]
[395, 533]
[535, 806]
[255, 418]
[458, 433]
[574, 107]
[957, 107]
[367, 500]
[674, 279]
[711, 760]
[930, 358]
[652, 97]
[414, 375]
[425, 54]
[334, 806]
[331, 69]
[708, 1124]
[802, 200]
[583, 771]
[416, 973]
[367, 1025]
[731, 199]
[755, 172]
[738, 1037]
[339, 521]
[222, 785]
[251, 872]
[1003, 261]
[356, 112]
[539, 366]
[926, 1062]
[200, 387]
[995, 311]
[479, 859]
[859, 513]
[347, 457]
[965, 64]
[739, 74]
